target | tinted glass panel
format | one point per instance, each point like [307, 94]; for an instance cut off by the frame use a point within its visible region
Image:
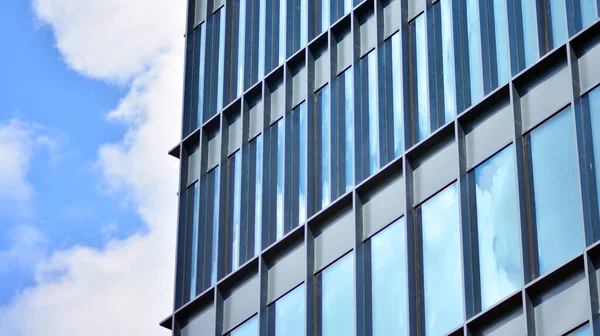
[261, 38]
[323, 106]
[593, 102]
[588, 12]
[448, 60]
[221, 61]
[501, 40]
[349, 125]
[498, 227]
[583, 331]
[289, 313]
[475, 62]
[530, 39]
[388, 278]
[373, 113]
[235, 215]
[280, 183]
[420, 71]
[558, 17]
[241, 42]
[215, 228]
[337, 298]
[249, 328]
[201, 79]
[258, 142]
[397, 96]
[302, 163]
[442, 268]
[556, 191]
[195, 217]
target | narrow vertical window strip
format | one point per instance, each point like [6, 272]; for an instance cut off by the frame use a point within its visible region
[194, 251]
[237, 194]
[588, 13]
[201, 66]
[349, 125]
[530, 39]
[280, 182]
[424, 121]
[501, 40]
[347, 6]
[215, 228]
[558, 16]
[475, 58]
[303, 165]
[448, 60]
[325, 145]
[261, 38]
[325, 14]
[397, 96]
[373, 113]
[221, 61]
[240, 46]
[258, 195]
[282, 32]
[303, 22]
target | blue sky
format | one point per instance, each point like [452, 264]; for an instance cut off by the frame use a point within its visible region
[90, 106]
[70, 207]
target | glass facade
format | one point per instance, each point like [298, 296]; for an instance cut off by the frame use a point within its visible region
[389, 167]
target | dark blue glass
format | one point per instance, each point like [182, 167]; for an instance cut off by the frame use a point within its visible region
[373, 113]
[215, 228]
[323, 101]
[290, 311]
[338, 299]
[303, 165]
[448, 60]
[500, 269]
[349, 125]
[556, 191]
[397, 96]
[221, 61]
[249, 328]
[241, 49]
[280, 182]
[237, 200]
[201, 66]
[194, 239]
[258, 194]
[442, 264]
[593, 100]
[388, 278]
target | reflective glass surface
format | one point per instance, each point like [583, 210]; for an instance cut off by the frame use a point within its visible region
[303, 167]
[501, 40]
[530, 39]
[558, 16]
[583, 331]
[337, 298]
[349, 125]
[221, 61]
[373, 113]
[588, 13]
[237, 200]
[448, 60]
[282, 34]
[323, 101]
[249, 328]
[500, 270]
[215, 228]
[325, 8]
[556, 191]
[290, 312]
[261, 37]
[388, 278]
[202, 64]
[397, 96]
[194, 251]
[280, 182]
[475, 61]
[594, 105]
[420, 36]
[258, 194]
[442, 270]
[240, 47]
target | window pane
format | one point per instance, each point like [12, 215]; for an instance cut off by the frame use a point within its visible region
[201, 65]
[593, 101]
[475, 61]
[349, 125]
[280, 183]
[388, 278]
[237, 194]
[337, 298]
[258, 194]
[558, 17]
[501, 39]
[373, 113]
[397, 96]
[448, 60]
[556, 191]
[303, 167]
[240, 46]
[323, 105]
[588, 12]
[249, 328]
[221, 60]
[442, 269]
[261, 38]
[289, 313]
[498, 227]
[420, 61]
[583, 331]
[215, 229]
[194, 251]
[530, 39]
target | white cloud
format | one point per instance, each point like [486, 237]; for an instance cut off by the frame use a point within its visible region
[126, 287]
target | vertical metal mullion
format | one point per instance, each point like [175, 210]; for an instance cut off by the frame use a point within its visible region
[526, 218]
[181, 260]
[434, 63]
[357, 97]
[311, 307]
[218, 304]
[587, 188]
[222, 252]
[414, 255]
[263, 288]
[287, 140]
[488, 46]
[360, 269]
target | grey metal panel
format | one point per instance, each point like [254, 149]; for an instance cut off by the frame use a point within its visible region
[199, 12]
[214, 152]
[299, 86]
[218, 4]
[256, 120]
[240, 304]
[368, 35]
[415, 7]
[512, 324]
[589, 68]
[235, 135]
[344, 53]
[321, 70]
[287, 273]
[489, 135]
[547, 96]
[562, 308]
[435, 172]
[391, 21]
[277, 102]
[336, 239]
[384, 205]
[201, 324]
[193, 167]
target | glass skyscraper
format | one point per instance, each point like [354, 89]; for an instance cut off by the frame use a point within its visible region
[389, 167]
